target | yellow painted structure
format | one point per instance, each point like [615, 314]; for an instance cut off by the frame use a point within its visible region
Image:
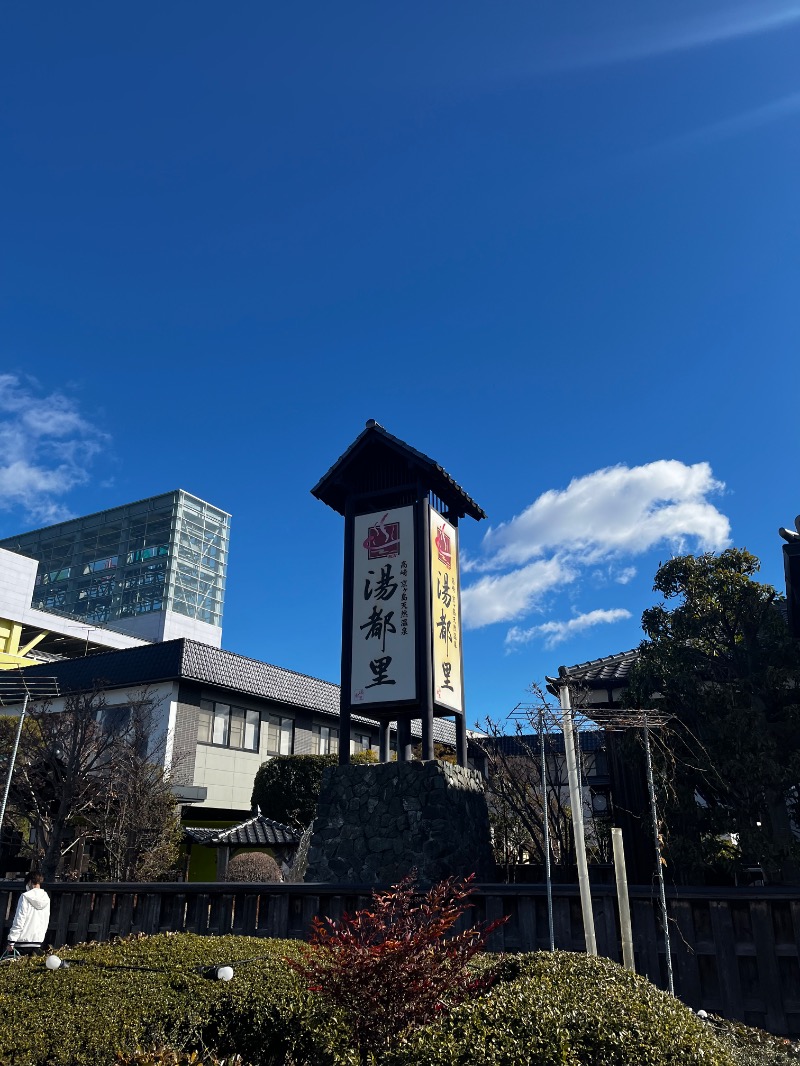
[12, 655]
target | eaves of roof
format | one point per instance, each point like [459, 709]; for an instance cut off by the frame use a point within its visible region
[330, 488]
[611, 670]
[257, 831]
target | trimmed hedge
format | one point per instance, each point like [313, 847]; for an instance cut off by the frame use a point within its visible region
[571, 1010]
[84, 1015]
[547, 1009]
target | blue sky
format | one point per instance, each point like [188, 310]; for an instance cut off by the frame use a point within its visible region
[554, 246]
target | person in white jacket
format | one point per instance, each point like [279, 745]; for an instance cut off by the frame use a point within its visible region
[32, 918]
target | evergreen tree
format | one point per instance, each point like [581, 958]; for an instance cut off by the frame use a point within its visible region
[719, 658]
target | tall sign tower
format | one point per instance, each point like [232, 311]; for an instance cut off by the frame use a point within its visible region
[401, 615]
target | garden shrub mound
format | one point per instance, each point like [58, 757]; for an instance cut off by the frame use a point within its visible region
[547, 1009]
[86, 1014]
[253, 867]
[571, 1010]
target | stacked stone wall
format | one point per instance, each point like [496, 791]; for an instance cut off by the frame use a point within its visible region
[375, 823]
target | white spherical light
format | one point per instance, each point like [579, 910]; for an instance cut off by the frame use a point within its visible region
[225, 973]
[702, 1014]
[52, 962]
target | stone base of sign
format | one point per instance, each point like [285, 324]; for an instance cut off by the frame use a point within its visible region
[377, 823]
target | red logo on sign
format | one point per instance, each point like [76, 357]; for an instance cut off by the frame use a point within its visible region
[443, 549]
[383, 539]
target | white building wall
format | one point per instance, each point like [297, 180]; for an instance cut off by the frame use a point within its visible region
[164, 696]
[228, 773]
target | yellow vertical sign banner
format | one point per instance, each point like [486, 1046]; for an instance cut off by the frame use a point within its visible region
[446, 613]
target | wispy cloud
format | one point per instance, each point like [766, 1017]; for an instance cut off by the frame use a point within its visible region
[46, 448]
[604, 517]
[648, 38]
[557, 632]
[498, 598]
[626, 575]
[752, 119]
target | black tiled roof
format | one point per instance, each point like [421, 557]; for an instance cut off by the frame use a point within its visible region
[331, 490]
[202, 662]
[611, 670]
[257, 831]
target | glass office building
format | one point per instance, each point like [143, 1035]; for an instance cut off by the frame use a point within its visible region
[155, 568]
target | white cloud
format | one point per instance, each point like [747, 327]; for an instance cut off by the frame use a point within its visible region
[604, 517]
[498, 598]
[617, 510]
[557, 632]
[46, 448]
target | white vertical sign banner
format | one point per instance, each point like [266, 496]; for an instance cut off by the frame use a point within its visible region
[383, 666]
[445, 604]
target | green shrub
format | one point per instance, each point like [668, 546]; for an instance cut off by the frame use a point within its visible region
[84, 1015]
[287, 787]
[754, 1047]
[546, 1009]
[161, 1055]
[562, 1009]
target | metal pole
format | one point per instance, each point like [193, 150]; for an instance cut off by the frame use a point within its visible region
[576, 803]
[546, 825]
[13, 760]
[659, 867]
[622, 901]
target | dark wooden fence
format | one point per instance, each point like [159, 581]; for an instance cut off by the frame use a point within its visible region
[736, 953]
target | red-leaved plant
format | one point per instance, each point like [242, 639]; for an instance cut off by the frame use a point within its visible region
[393, 967]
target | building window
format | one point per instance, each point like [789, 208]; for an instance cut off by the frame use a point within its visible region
[54, 575]
[227, 726]
[360, 742]
[96, 565]
[324, 740]
[141, 554]
[279, 735]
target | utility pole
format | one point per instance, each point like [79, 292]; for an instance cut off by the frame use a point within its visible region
[576, 803]
[546, 827]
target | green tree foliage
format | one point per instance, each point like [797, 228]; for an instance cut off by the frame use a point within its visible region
[287, 787]
[720, 660]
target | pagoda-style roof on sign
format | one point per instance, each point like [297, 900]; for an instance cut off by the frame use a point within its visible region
[376, 460]
[257, 831]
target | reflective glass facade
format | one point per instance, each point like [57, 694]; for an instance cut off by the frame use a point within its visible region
[166, 553]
